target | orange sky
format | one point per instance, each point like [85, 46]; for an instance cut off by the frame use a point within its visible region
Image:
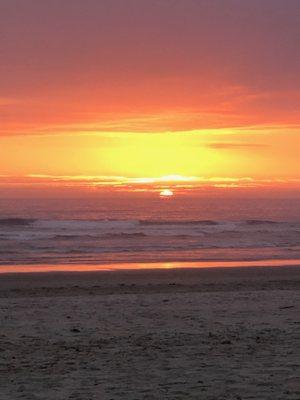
[96, 95]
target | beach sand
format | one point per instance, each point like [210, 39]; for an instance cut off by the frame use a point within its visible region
[163, 334]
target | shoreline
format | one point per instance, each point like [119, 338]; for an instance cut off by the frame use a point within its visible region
[149, 281]
[136, 266]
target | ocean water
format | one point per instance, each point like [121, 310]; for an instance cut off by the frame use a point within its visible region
[95, 231]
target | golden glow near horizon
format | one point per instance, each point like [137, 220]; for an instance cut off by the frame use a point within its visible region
[131, 162]
[164, 186]
[154, 158]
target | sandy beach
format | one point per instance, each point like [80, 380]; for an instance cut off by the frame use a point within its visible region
[162, 334]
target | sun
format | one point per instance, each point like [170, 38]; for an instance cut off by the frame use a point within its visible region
[166, 193]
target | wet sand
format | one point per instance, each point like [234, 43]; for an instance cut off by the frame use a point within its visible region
[220, 333]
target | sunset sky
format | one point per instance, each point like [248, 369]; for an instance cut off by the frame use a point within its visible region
[141, 95]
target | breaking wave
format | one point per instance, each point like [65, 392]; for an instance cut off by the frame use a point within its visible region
[177, 222]
[260, 222]
[16, 221]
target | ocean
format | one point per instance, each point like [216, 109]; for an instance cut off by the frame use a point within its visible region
[97, 231]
